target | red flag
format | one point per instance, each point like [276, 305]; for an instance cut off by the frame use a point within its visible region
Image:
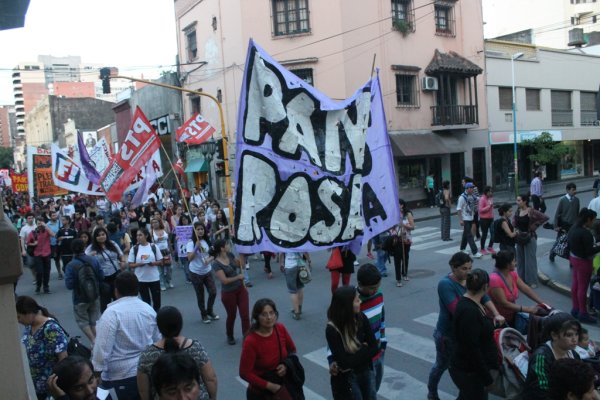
[195, 130]
[139, 145]
[178, 167]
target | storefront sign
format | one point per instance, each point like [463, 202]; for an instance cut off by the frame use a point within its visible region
[508, 137]
[161, 125]
[306, 177]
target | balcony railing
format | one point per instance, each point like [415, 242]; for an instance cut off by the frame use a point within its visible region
[454, 115]
[562, 117]
[589, 118]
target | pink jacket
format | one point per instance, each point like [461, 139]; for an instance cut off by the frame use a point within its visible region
[486, 207]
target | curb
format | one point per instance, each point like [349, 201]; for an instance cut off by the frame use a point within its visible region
[554, 285]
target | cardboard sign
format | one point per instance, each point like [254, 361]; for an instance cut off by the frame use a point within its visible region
[195, 130]
[19, 183]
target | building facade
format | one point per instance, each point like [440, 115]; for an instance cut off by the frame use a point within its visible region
[429, 55]
[556, 92]
[6, 129]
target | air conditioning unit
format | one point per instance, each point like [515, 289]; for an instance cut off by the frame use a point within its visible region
[429, 83]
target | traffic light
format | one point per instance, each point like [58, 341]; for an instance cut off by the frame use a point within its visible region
[220, 154]
[105, 77]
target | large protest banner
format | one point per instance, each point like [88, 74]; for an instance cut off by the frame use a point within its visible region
[39, 174]
[19, 183]
[312, 173]
[67, 172]
[139, 145]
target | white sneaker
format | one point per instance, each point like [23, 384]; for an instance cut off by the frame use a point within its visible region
[356, 263]
[466, 251]
[477, 255]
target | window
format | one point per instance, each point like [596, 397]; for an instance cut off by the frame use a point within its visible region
[191, 45]
[533, 99]
[403, 17]
[290, 17]
[444, 19]
[407, 90]
[505, 98]
[562, 114]
[306, 74]
[195, 103]
[588, 108]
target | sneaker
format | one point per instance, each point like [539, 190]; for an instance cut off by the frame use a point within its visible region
[171, 286]
[206, 319]
[477, 255]
[551, 256]
[213, 316]
[491, 250]
[398, 284]
[586, 318]
[162, 288]
[247, 265]
[231, 340]
[484, 252]
[248, 284]
[356, 263]
[188, 282]
[296, 315]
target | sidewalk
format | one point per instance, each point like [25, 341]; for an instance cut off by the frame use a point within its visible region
[556, 275]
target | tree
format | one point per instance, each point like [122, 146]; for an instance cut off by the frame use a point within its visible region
[545, 149]
[6, 157]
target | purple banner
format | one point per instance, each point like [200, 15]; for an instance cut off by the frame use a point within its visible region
[183, 234]
[312, 173]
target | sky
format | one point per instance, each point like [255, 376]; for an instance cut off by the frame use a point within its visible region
[137, 36]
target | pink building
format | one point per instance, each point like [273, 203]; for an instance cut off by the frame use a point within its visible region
[429, 54]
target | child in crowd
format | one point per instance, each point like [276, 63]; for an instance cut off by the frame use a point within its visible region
[586, 348]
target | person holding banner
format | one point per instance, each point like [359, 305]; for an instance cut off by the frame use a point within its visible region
[401, 250]
[233, 293]
[201, 273]
[144, 259]
[161, 238]
[182, 237]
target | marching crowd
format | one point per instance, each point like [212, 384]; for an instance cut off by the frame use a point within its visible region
[118, 259]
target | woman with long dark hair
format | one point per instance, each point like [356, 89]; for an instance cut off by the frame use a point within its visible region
[110, 258]
[170, 324]
[201, 273]
[73, 379]
[582, 249]
[144, 259]
[160, 237]
[233, 292]
[265, 347]
[505, 232]
[353, 345]
[445, 210]
[526, 221]
[44, 340]
[401, 250]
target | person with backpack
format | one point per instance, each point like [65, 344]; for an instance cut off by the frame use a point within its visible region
[110, 257]
[466, 211]
[83, 275]
[444, 201]
[144, 260]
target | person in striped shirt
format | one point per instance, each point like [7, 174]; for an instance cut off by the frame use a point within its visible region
[371, 304]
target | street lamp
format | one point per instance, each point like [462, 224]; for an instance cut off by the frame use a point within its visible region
[514, 57]
[208, 149]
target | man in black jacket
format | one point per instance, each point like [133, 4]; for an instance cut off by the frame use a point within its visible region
[566, 212]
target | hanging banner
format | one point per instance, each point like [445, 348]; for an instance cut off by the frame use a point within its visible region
[183, 235]
[139, 145]
[68, 174]
[312, 173]
[195, 130]
[39, 174]
[19, 183]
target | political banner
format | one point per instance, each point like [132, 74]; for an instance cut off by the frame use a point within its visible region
[312, 173]
[139, 145]
[100, 155]
[19, 183]
[68, 174]
[39, 174]
[183, 235]
[196, 130]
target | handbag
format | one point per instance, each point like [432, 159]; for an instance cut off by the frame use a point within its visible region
[31, 248]
[304, 274]
[523, 238]
[389, 243]
[74, 346]
[335, 260]
[561, 246]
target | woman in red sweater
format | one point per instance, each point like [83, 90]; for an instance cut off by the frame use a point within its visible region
[265, 347]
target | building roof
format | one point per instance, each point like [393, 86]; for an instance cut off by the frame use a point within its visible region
[451, 62]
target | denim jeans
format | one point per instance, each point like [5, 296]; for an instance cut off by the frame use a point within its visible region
[378, 372]
[382, 258]
[124, 388]
[362, 385]
[467, 237]
[443, 351]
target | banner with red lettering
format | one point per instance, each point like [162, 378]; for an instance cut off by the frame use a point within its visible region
[19, 183]
[39, 174]
[139, 145]
[196, 130]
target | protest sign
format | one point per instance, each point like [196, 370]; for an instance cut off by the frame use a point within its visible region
[19, 183]
[195, 130]
[184, 235]
[312, 173]
[39, 173]
[139, 145]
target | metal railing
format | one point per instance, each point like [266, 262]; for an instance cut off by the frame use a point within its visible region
[589, 118]
[454, 115]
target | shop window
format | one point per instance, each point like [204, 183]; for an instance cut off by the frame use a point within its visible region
[533, 99]
[444, 18]
[505, 98]
[306, 74]
[411, 174]
[290, 17]
[407, 90]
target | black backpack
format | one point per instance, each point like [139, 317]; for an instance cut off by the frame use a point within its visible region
[439, 198]
[136, 248]
[88, 285]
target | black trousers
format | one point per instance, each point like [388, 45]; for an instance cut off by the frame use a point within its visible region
[42, 272]
[470, 386]
[151, 289]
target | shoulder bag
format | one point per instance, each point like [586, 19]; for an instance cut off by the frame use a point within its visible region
[335, 259]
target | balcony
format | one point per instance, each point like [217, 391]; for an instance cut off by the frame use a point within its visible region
[562, 117]
[589, 118]
[454, 115]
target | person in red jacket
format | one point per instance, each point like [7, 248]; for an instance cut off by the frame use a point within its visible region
[40, 240]
[265, 347]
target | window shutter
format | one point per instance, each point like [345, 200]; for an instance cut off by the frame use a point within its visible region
[561, 100]
[505, 97]
[588, 101]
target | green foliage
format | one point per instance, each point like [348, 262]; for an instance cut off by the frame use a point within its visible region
[545, 150]
[402, 26]
[6, 157]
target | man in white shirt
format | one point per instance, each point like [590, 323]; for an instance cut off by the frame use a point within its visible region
[466, 210]
[198, 197]
[68, 209]
[125, 329]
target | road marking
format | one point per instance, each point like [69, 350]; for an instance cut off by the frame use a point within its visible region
[308, 394]
[425, 229]
[394, 382]
[413, 345]
[428, 319]
[431, 243]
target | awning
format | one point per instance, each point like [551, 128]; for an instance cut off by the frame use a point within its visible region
[417, 144]
[196, 165]
[452, 62]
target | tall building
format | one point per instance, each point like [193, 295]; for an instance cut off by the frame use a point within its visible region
[430, 55]
[6, 126]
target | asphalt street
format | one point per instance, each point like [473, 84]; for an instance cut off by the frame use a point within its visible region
[411, 314]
